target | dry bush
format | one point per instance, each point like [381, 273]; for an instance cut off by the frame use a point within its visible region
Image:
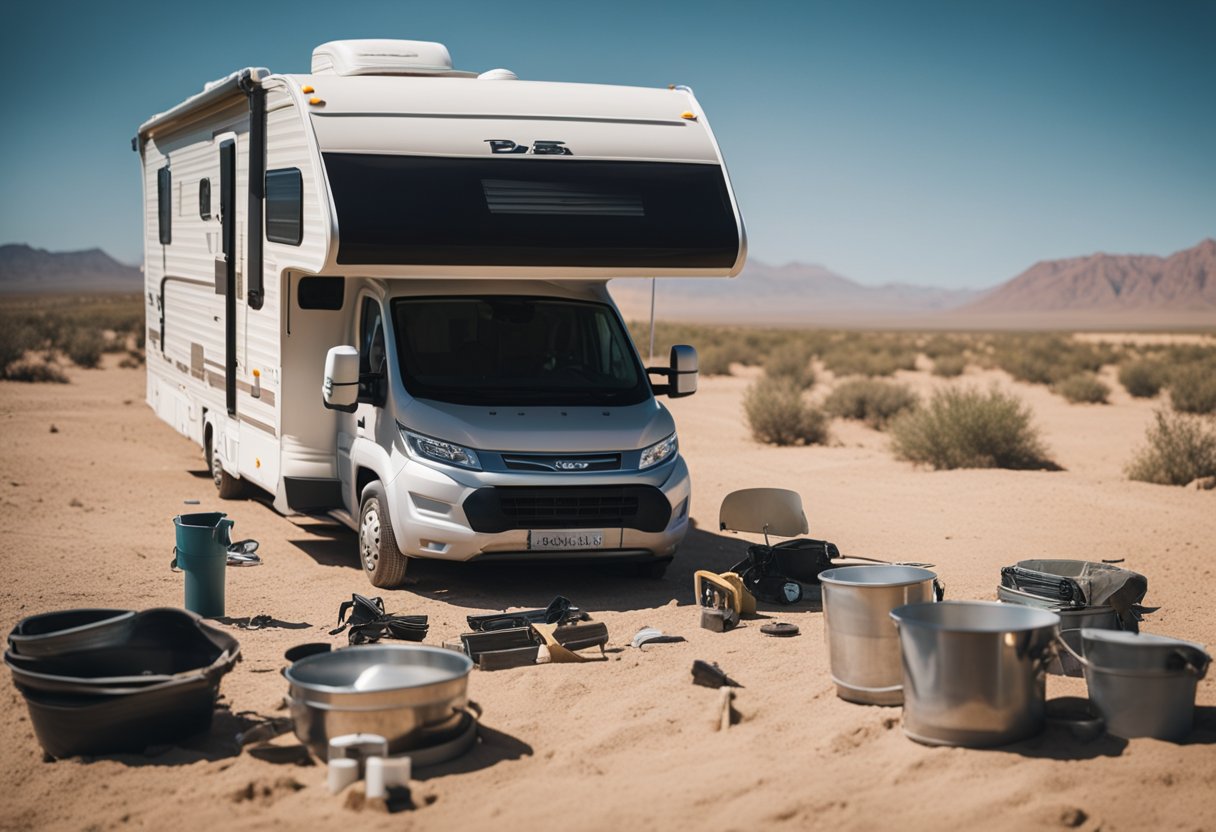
[858, 361]
[873, 401]
[791, 362]
[15, 342]
[34, 370]
[715, 360]
[84, 348]
[1047, 359]
[949, 366]
[970, 429]
[1143, 378]
[779, 415]
[1082, 388]
[940, 345]
[1178, 449]
[1193, 387]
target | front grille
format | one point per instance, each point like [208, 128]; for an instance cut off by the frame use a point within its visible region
[572, 463]
[640, 507]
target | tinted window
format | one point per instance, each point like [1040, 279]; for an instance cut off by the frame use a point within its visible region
[321, 292]
[284, 206]
[164, 205]
[372, 355]
[516, 350]
[531, 212]
[204, 199]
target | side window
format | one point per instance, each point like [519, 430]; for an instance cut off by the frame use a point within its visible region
[284, 206]
[321, 292]
[204, 199]
[372, 355]
[164, 205]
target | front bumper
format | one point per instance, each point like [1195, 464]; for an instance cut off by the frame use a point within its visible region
[453, 514]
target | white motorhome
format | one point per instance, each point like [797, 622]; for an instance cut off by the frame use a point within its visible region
[379, 291]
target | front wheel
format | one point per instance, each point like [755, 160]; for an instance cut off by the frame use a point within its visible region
[382, 561]
[228, 486]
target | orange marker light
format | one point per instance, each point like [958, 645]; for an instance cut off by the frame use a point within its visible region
[307, 88]
[689, 116]
[257, 462]
[315, 100]
[257, 373]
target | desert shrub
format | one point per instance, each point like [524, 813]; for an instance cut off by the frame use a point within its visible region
[1178, 449]
[939, 345]
[779, 415]
[34, 370]
[15, 341]
[858, 361]
[132, 360]
[962, 428]
[949, 366]
[1143, 378]
[84, 347]
[715, 360]
[871, 400]
[1082, 388]
[791, 362]
[1193, 388]
[1046, 359]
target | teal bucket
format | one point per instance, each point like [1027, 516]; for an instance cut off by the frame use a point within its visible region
[202, 554]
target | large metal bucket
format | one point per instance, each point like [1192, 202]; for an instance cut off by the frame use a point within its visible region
[863, 645]
[974, 671]
[1143, 685]
[1072, 621]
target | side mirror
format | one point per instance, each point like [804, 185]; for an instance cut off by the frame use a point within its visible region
[340, 390]
[681, 373]
[682, 377]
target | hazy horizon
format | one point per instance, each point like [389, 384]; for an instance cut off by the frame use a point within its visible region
[941, 144]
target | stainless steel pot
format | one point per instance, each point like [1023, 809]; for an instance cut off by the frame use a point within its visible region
[1072, 621]
[412, 695]
[974, 671]
[863, 645]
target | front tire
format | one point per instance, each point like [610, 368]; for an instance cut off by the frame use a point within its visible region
[228, 486]
[383, 562]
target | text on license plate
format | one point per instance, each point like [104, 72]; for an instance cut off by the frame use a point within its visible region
[556, 539]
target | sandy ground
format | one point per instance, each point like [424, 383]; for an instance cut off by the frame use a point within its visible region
[627, 743]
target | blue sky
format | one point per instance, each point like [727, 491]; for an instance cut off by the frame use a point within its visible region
[942, 143]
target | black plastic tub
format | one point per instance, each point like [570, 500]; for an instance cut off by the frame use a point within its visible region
[69, 630]
[157, 686]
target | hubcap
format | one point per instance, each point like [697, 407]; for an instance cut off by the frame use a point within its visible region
[369, 537]
[217, 469]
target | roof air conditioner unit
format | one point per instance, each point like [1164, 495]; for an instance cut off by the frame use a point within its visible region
[382, 57]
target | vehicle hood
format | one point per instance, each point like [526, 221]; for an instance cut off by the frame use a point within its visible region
[541, 429]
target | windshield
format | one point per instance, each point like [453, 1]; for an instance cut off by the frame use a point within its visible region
[516, 350]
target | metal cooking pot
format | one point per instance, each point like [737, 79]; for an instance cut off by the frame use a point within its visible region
[974, 671]
[863, 646]
[412, 695]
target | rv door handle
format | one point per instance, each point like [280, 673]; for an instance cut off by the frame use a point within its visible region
[362, 422]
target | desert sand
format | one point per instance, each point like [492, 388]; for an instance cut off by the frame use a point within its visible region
[627, 743]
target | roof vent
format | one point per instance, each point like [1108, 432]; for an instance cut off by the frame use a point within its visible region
[382, 57]
[499, 74]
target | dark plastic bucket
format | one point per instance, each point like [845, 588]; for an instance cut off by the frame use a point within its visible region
[202, 553]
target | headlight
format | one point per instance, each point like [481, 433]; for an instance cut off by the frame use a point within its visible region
[658, 452]
[440, 451]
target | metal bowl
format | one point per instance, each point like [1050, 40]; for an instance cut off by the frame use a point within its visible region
[412, 695]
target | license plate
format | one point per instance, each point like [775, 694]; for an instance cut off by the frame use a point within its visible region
[557, 539]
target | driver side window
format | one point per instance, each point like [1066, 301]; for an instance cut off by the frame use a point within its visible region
[372, 355]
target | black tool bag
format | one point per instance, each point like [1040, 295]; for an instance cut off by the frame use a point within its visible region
[368, 622]
[1076, 584]
[768, 570]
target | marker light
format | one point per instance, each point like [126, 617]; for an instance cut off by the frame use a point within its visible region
[689, 116]
[306, 89]
[315, 100]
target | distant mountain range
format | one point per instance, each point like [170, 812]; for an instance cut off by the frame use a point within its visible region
[1122, 290]
[1101, 289]
[24, 269]
[793, 293]
[1185, 280]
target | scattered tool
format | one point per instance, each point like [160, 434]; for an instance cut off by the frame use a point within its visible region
[651, 635]
[780, 628]
[369, 622]
[711, 676]
[559, 611]
[242, 552]
[721, 601]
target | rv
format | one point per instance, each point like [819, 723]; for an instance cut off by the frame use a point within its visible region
[378, 291]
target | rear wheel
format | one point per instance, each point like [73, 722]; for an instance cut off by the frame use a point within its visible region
[382, 561]
[228, 486]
